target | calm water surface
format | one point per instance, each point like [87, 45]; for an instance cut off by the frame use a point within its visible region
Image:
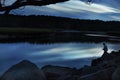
[62, 54]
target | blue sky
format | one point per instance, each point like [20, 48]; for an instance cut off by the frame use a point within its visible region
[99, 9]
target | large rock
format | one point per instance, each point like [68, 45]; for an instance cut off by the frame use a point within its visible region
[24, 70]
[99, 75]
[116, 74]
[105, 59]
[57, 72]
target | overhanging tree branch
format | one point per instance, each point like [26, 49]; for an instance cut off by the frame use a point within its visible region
[20, 3]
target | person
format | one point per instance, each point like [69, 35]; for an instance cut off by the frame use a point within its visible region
[105, 48]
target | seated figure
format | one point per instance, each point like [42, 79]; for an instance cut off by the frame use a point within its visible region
[105, 49]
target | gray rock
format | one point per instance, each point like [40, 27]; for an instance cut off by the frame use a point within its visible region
[24, 70]
[100, 75]
[57, 70]
[116, 74]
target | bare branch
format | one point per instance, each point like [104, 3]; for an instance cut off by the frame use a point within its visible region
[20, 3]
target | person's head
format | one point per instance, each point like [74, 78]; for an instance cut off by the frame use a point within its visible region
[103, 43]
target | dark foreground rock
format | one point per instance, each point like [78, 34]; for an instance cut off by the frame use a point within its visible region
[24, 70]
[105, 74]
[57, 72]
[103, 68]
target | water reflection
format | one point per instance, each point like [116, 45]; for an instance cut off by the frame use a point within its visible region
[63, 54]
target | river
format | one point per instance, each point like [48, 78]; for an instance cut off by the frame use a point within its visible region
[60, 54]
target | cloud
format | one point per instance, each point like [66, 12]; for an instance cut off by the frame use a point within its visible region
[103, 10]
[78, 6]
[116, 18]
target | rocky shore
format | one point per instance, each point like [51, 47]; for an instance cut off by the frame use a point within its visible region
[107, 67]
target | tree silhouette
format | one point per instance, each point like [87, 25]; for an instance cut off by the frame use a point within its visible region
[19, 3]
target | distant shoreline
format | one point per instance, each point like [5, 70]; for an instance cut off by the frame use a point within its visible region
[57, 23]
[56, 37]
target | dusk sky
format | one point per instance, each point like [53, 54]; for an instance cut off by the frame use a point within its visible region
[99, 9]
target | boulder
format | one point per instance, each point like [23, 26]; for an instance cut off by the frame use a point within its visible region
[116, 74]
[57, 70]
[25, 70]
[99, 75]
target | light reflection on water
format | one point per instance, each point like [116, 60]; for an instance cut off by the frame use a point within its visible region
[62, 54]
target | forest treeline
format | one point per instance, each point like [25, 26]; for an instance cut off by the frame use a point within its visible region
[57, 23]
